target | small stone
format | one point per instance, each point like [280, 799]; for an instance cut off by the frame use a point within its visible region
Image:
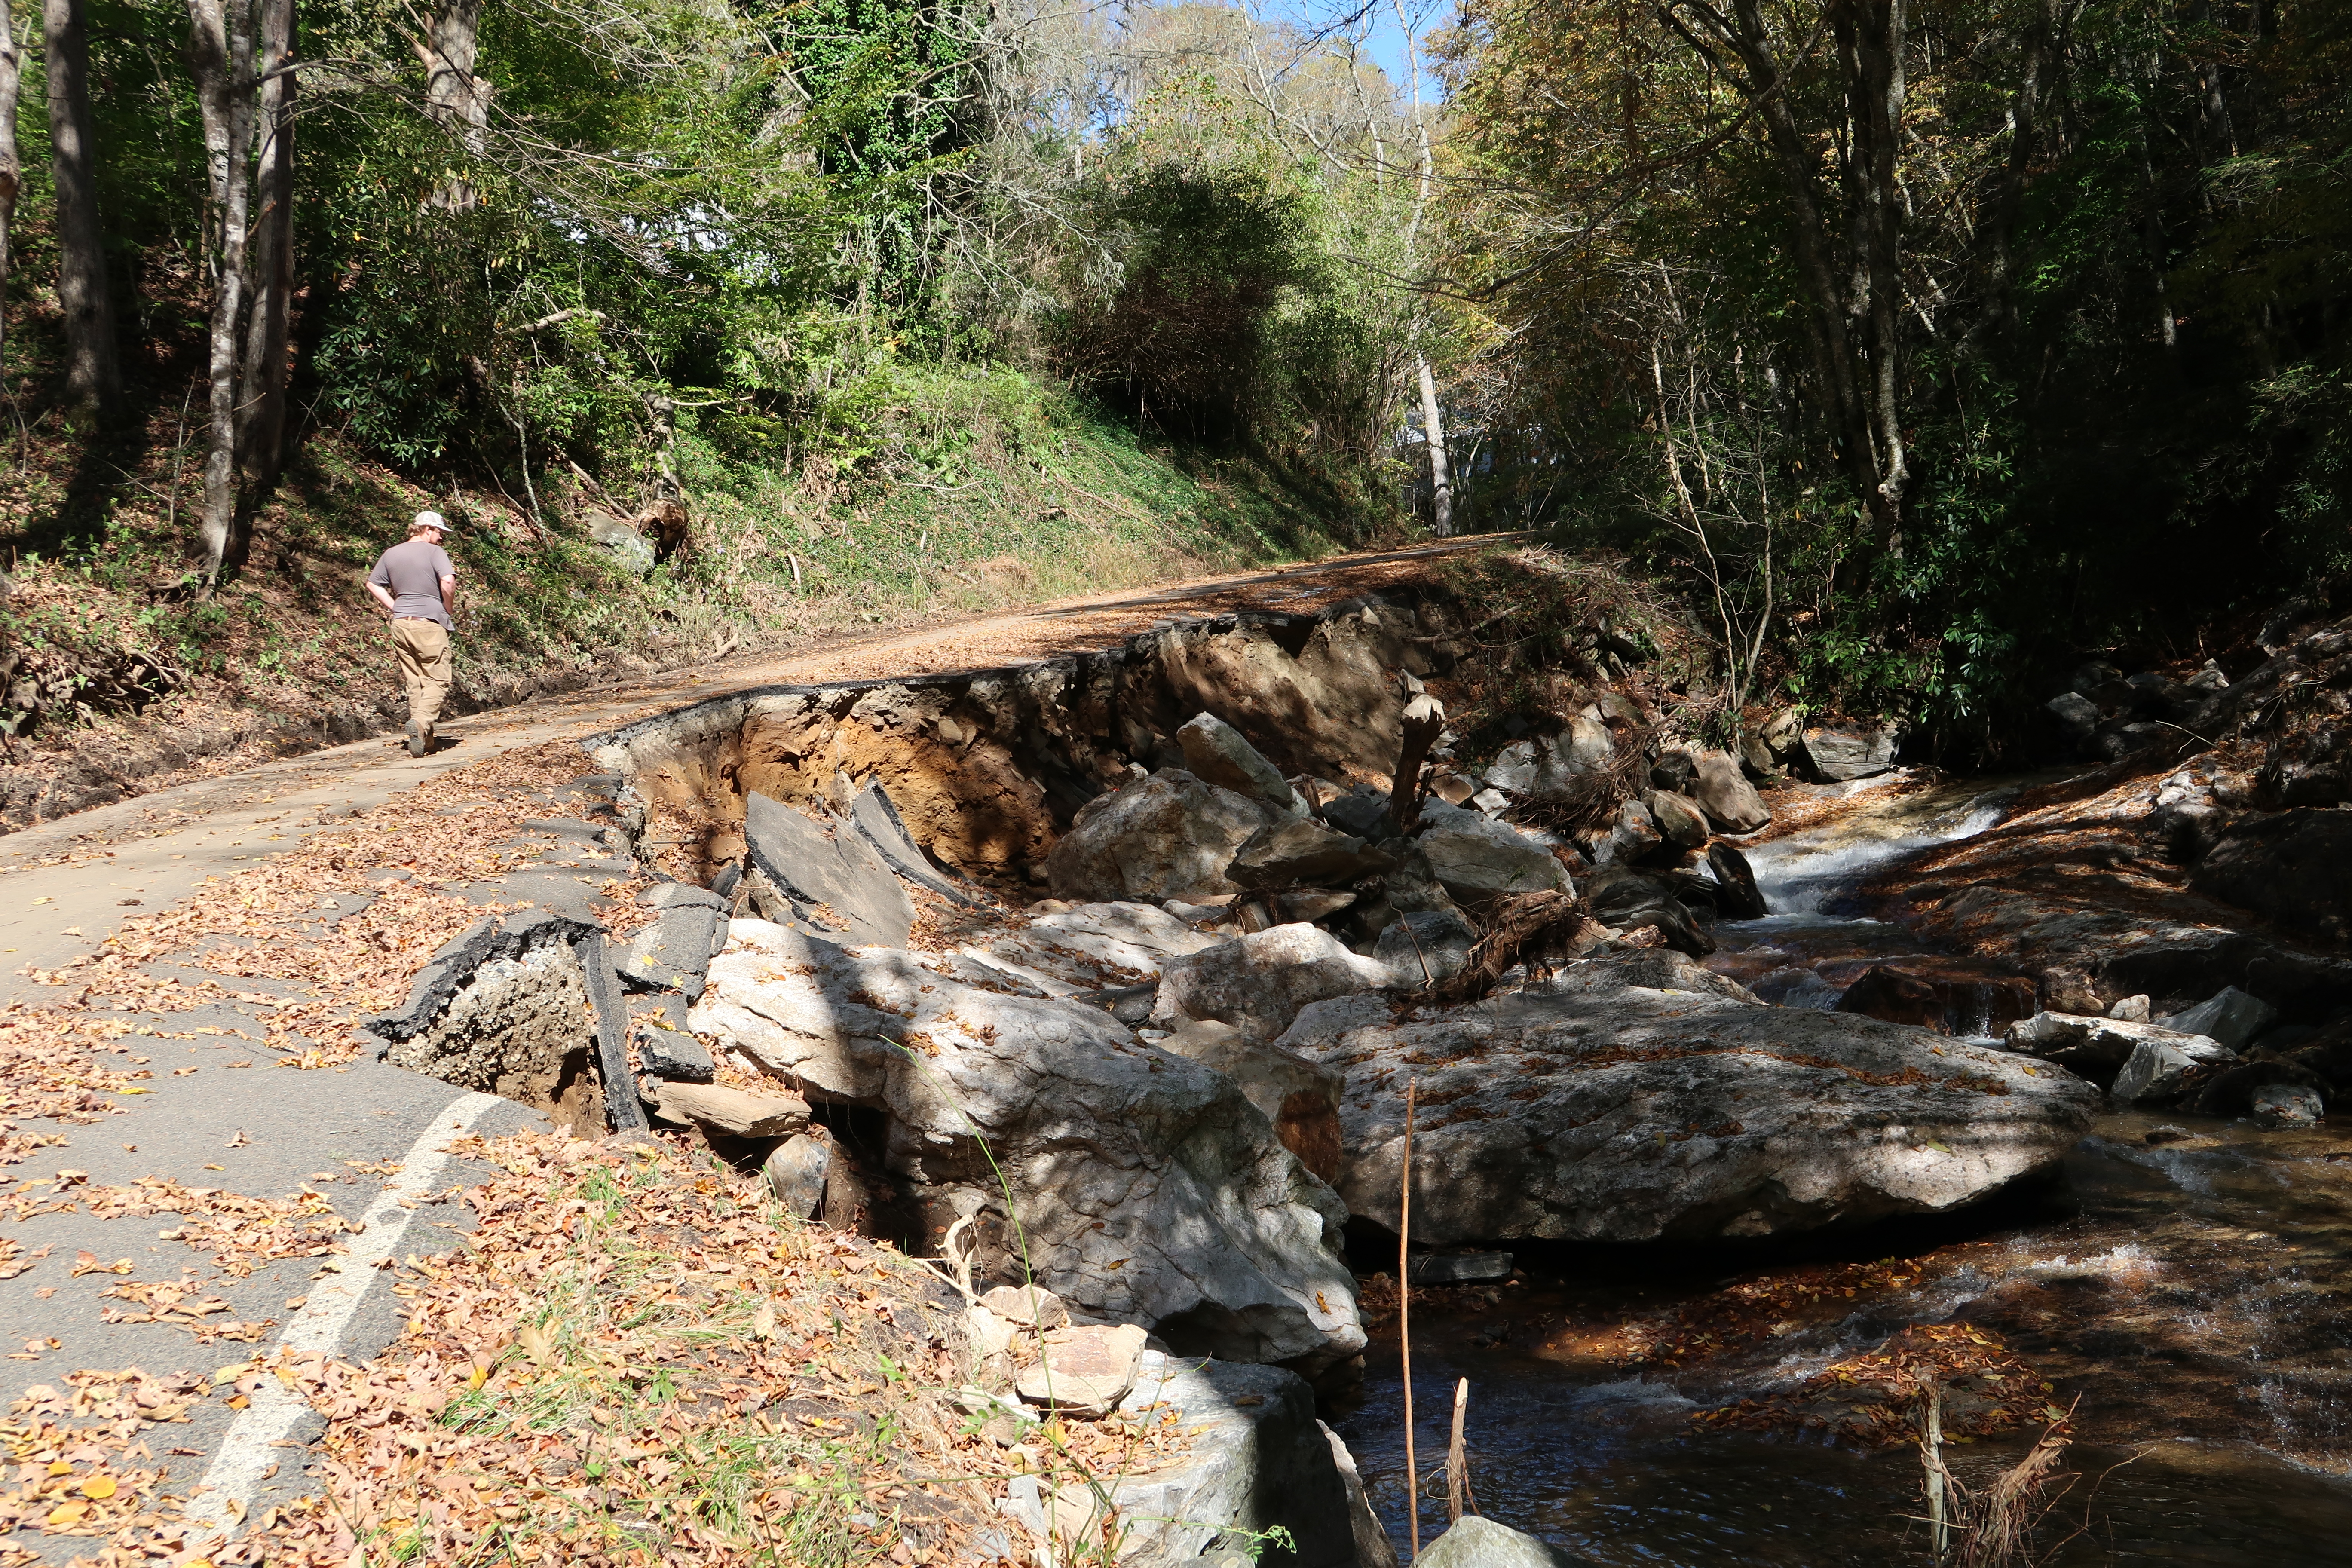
[1027, 1306]
[675, 1055]
[2131, 1009]
[795, 1169]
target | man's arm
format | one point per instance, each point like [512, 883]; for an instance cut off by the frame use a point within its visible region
[449, 597]
[383, 597]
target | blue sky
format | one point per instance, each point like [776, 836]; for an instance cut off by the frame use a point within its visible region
[1386, 42]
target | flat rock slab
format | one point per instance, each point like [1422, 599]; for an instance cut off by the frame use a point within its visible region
[736, 1113]
[672, 953]
[1639, 1098]
[877, 821]
[1084, 1370]
[837, 881]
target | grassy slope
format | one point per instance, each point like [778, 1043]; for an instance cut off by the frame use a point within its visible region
[957, 493]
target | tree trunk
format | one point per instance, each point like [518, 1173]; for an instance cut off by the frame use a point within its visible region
[1432, 430]
[93, 375]
[221, 50]
[261, 402]
[12, 168]
[454, 96]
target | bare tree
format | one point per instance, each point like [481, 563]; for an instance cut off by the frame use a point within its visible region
[1433, 416]
[11, 167]
[261, 402]
[93, 374]
[221, 49]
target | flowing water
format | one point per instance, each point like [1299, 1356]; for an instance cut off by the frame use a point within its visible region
[2185, 1293]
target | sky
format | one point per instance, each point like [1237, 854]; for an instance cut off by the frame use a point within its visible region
[1385, 42]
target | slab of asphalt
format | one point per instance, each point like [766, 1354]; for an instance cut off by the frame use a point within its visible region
[251, 1130]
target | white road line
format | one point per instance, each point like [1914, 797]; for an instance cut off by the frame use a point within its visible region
[248, 1449]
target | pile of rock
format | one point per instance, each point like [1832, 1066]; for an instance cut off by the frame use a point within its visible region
[2228, 1056]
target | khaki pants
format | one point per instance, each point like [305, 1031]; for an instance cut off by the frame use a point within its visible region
[425, 667]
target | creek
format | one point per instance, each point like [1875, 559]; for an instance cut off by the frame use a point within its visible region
[2182, 1293]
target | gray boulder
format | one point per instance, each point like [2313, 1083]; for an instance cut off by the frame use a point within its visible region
[2076, 714]
[1626, 899]
[672, 952]
[1259, 982]
[1294, 850]
[795, 1171]
[1548, 768]
[674, 1054]
[1220, 754]
[1723, 792]
[1150, 1190]
[1425, 948]
[2230, 1016]
[1738, 897]
[1362, 813]
[1640, 1097]
[1170, 836]
[835, 882]
[1090, 948]
[2099, 1048]
[2159, 1068]
[1632, 835]
[1299, 1097]
[1837, 755]
[1472, 1541]
[632, 552]
[1258, 1459]
[1475, 856]
[2279, 1105]
[1679, 819]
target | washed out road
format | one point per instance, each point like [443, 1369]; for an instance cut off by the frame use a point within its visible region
[369, 1139]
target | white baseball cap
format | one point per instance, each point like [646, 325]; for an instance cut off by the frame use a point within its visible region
[432, 520]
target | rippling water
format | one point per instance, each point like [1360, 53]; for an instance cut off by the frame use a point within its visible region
[2190, 1291]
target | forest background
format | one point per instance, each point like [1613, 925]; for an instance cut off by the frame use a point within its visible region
[1928, 345]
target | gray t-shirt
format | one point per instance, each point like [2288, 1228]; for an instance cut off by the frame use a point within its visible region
[412, 572]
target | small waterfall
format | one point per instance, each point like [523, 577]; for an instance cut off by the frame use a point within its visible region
[1810, 871]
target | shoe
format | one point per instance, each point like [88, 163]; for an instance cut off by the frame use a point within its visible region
[418, 742]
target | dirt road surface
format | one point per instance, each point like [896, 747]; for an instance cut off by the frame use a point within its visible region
[213, 1119]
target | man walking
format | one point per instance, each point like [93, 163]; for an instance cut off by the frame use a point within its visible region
[418, 587]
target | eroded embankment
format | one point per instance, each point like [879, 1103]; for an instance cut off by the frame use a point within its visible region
[988, 768]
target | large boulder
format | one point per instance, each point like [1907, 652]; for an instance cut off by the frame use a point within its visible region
[1292, 850]
[1632, 835]
[1170, 836]
[1221, 755]
[1258, 982]
[1626, 899]
[835, 882]
[1548, 767]
[1679, 819]
[1425, 948]
[1090, 947]
[2097, 1048]
[1148, 1189]
[1641, 1098]
[1836, 755]
[1723, 792]
[2230, 1016]
[1474, 856]
[1738, 897]
[1300, 1098]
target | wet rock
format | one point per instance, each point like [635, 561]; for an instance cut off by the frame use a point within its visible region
[1149, 1190]
[1295, 850]
[1300, 1098]
[672, 952]
[1475, 857]
[1952, 997]
[1472, 1541]
[1723, 792]
[1373, 1549]
[674, 1054]
[1425, 948]
[2278, 1105]
[1679, 819]
[1259, 982]
[2230, 1016]
[835, 882]
[1837, 755]
[1738, 898]
[1217, 754]
[1170, 836]
[730, 1113]
[795, 1171]
[1641, 1098]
